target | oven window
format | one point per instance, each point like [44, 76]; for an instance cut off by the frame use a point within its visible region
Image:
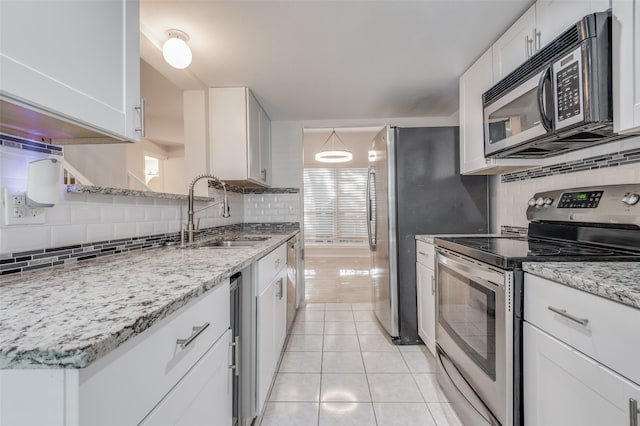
[467, 311]
[515, 117]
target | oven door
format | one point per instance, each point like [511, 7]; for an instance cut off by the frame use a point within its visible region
[522, 114]
[473, 332]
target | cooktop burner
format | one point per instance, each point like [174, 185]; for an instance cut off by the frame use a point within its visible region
[512, 251]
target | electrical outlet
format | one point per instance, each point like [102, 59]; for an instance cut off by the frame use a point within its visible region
[16, 211]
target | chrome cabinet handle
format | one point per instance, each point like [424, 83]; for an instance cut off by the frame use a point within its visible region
[633, 412]
[563, 313]
[538, 40]
[277, 262]
[433, 285]
[196, 332]
[424, 254]
[528, 46]
[142, 128]
[280, 289]
[236, 355]
[263, 173]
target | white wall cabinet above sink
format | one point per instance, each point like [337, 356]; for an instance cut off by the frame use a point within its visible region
[240, 137]
[77, 62]
[626, 66]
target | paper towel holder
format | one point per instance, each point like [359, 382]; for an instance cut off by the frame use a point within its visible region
[43, 183]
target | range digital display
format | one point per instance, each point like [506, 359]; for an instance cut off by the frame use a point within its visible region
[580, 200]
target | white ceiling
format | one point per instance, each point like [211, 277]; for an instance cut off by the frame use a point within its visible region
[331, 60]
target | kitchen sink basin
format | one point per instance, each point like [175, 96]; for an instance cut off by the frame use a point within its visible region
[233, 243]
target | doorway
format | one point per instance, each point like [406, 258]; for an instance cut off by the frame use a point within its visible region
[337, 257]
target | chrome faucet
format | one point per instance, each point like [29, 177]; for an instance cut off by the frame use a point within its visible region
[191, 228]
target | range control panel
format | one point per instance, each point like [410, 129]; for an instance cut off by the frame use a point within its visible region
[619, 204]
[580, 200]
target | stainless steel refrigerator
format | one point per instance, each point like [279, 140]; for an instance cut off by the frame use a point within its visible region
[415, 187]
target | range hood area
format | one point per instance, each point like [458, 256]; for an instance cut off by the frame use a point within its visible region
[24, 121]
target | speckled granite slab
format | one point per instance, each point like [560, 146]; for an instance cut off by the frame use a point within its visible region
[69, 317]
[616, 281]
[429, 238]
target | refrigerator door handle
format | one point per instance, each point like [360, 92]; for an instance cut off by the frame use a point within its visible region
[371, 235]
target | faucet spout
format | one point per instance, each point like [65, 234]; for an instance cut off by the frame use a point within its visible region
[191, 228]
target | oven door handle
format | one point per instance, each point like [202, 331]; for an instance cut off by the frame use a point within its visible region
[486, 277]
[464, 388]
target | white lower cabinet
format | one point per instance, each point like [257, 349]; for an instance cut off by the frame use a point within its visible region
[204, 396]
[580, 357]
[272, 329]
[271, 318]
[138, 378]
[426, 290]
[563, 387]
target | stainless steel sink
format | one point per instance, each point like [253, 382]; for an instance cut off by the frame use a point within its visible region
[233, 243]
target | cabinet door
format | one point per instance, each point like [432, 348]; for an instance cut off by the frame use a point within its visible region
[564, 387]
[425, 282]
[77, 60]
[555, 16]
[626, 66]
[280, 318]
[203, 396]
[266, 342]
[253, 134]
[265, 148]
[515, 45]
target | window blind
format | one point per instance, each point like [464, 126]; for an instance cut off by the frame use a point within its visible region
[335, 206]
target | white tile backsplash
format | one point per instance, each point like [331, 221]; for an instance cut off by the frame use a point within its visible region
[271, 208]
[512, 197]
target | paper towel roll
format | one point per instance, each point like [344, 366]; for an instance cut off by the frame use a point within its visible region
[43, 183]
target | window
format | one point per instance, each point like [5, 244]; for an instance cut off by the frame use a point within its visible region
[335, 209]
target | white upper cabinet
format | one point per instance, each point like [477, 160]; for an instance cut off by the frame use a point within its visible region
[74, 61]
[515, 45]
[240, 137]
[626, 66]
[553, 17]
[539, 25]
[473, 83]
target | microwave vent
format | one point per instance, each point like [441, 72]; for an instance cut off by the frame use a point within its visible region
[564, 42]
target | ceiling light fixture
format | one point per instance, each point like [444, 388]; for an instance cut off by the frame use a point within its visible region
[328, 152]
[176, 50]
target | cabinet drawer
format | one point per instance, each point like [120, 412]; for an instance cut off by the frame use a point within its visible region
[609, 336]
[141, 372]
[425, 254]
[270, 265]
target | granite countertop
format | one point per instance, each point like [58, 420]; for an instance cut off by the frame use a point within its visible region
[617, 281]
[429, 238]
[72, 316]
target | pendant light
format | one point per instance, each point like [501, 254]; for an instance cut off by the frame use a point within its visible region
[176, 50]
[329, 153]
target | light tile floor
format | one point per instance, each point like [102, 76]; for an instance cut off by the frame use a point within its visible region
[340, 368]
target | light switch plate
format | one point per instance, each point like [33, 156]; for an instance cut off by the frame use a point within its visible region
[16, 211]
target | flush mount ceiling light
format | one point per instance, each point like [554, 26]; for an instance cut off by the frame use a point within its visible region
[329, 153]
[176, 50]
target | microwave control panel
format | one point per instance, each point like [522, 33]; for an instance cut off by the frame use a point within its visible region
[568, 91]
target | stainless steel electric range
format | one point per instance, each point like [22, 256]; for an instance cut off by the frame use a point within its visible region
[480, 290]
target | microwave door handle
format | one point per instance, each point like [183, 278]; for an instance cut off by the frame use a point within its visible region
[547, 122]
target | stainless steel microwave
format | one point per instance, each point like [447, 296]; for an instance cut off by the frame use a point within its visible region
[559, 100]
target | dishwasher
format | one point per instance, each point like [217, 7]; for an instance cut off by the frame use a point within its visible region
[292, 281]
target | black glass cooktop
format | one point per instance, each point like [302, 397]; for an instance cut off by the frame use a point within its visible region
[509, 252]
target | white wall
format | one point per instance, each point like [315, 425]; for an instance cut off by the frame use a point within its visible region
[195, 137]
[104, 165]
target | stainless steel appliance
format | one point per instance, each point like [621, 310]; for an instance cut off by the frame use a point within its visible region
[292, 281]
[480, 291]
[414, 187]
[236, 332]
[558, 100]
